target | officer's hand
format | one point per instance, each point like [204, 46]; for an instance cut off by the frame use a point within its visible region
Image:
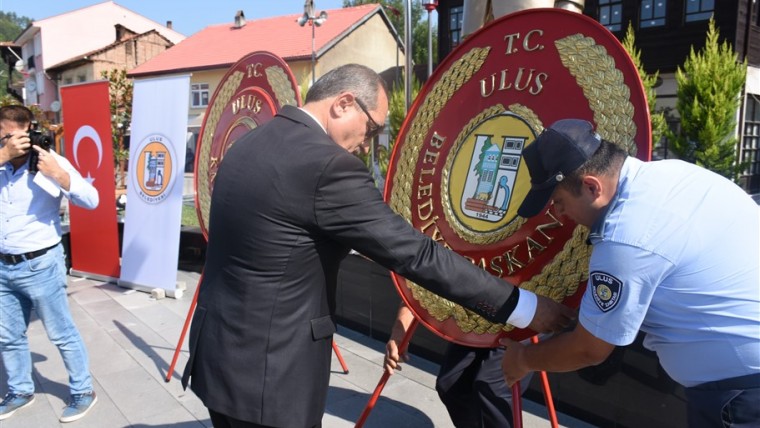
[551, 317]
[513, 364]
[393, 359]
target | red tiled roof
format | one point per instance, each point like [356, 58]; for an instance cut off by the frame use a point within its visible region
[222, 45]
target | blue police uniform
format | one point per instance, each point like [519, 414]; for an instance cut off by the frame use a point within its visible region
[676, 256]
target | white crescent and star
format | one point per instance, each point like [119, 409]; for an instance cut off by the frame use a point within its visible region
[83, 132]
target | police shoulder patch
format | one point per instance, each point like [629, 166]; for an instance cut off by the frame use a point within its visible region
[606, 290]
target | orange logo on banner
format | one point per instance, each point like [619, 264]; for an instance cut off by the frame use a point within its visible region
[154, 164]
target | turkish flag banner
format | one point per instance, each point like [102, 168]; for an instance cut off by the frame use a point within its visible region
[94, 233]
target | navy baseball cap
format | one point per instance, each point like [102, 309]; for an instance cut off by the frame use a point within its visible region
[559, 150]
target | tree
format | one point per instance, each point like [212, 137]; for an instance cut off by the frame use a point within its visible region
[397, 106]
[420, 43]
[11, 27]
[657, 120]
[120, 92]
[395, 11]
[708, 96]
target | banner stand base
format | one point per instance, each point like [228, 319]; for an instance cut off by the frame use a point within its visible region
[95, 276]
[177, 293]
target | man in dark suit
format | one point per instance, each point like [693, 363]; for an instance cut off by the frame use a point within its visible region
[289, 202]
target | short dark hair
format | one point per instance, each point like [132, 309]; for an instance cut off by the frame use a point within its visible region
[16, 113]
[360, 80]
[608, 158]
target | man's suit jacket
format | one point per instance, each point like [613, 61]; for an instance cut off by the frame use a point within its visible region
[287, 206]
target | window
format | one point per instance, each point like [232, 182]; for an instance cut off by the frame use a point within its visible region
[652, 13]
[699, 10]
[81, 78]
[750, 152]
[199, 95]
[455, 26]
[611, 14]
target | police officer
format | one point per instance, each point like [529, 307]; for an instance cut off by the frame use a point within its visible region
[676, 254]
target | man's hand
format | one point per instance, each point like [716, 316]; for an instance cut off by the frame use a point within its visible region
[513, 364]
[13, 145]
[48, 166]
[46, 162]
[551, 317]
[393, 358]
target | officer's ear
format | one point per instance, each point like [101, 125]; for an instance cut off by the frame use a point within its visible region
[593, 185]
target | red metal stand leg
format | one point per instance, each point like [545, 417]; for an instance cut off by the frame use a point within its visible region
[340, 358]
[516, 406]
[184, 330]
[384, 377]
[547, 394]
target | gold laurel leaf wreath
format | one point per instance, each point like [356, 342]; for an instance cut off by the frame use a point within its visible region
[529, 116]
[608, 97]
[460, 73]
[281, 86]
[604, 87]
[226, 92]
[450, 82]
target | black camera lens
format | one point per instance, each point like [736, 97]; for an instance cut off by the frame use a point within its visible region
[37, 138]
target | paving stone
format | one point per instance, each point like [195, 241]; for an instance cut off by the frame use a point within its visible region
[131, 340]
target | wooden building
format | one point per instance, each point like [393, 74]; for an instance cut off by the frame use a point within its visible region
[666, 30]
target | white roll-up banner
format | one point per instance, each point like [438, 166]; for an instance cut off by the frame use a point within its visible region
[153, 218]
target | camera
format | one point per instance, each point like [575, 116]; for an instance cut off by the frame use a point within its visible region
[37, 138]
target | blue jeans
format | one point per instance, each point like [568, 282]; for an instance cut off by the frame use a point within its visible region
[39, 283]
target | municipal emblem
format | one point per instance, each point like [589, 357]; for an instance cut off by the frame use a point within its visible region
[485, 171]
[154, 176]
[251, 93]
[606, 290]
[457, 173]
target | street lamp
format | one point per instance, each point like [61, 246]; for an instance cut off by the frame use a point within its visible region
[315, 21]
[430, 6]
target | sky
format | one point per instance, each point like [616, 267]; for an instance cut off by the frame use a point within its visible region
[187, 16]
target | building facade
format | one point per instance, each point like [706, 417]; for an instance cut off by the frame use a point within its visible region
[129, 51]
[666, 31]
[345, 36]
[52, 42]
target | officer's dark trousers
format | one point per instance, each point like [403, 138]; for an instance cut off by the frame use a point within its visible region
[220, 420]
[471, 385]
[733, 403]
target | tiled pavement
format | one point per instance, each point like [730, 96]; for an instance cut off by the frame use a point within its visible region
[131, 339]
